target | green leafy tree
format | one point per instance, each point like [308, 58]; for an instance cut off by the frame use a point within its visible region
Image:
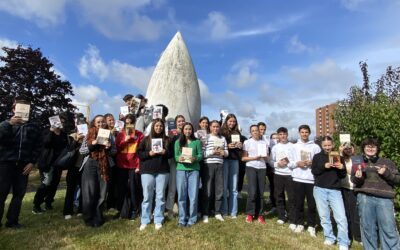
[25, 71]
[374, 110]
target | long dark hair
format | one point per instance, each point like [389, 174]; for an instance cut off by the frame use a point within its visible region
[153, 134]
[182, 137]
[226, 131]
[208, 122]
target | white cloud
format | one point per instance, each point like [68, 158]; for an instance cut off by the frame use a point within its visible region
[92, 66]
[42, 12]
[242, 73]
[122, 19]
[352, 4]
[217, 25]
[296, 46]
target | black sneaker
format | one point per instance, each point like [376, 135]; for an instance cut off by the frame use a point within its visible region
[48, 207]
[37, 210]
[133, 216]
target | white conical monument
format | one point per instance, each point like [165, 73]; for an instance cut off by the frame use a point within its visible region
[174, 82]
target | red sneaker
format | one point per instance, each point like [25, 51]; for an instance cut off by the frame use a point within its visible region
[249, 218]
[261, 220]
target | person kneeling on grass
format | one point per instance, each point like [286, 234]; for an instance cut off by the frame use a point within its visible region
[255, 171]
[187, 174]
[327, 193]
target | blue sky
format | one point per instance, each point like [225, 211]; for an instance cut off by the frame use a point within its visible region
[271, 61]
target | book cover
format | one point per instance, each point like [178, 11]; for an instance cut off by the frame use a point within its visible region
[135, 105]
[235, 138]
[171, 126]
[157, 112]
[218, 144]
[119, 125]
[262, 149]
[187, 154]
[103, 137]
[334, 157]
[129, 129]
[281, 155]
[156, 145]
[22, 110]
[82, 129]
[55, 121]
[124, 110]
[305, 155]
[344, 138]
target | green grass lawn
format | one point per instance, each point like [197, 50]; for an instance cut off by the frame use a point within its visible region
[50, 231]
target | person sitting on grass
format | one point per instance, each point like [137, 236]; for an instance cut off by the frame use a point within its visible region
[256, 169]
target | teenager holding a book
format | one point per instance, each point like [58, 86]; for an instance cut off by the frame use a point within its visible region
[201, 134]
[303, 181]
[111, 189]
[171, 195]
[215, 150]
[282, 159]
[188, 154]
[98, 146]
[153, 153]
[231, 133]
[375, 178]
[328, 173]
[128, 184]
[255, 152]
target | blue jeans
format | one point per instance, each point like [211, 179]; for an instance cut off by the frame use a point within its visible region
[325, 198]
[377, 214]
[151, 182]
[187, 185]
[231, 172]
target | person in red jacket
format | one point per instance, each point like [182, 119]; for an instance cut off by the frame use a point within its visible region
[129, 191]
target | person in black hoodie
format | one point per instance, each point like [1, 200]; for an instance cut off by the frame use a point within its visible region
[375, 178]
[19, 151]
[327, 193]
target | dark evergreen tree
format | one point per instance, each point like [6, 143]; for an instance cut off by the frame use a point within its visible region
[25, 71]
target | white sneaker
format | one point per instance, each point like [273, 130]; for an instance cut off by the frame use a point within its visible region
[311, 231]
[79, 214]
[328, 243]
[219, 217]
[280, 222]
[205, 219]
[142, 227]
[299, 229]
[68, 217]
[292, 227]
[343, 247]
[158, 226]
[233, 217]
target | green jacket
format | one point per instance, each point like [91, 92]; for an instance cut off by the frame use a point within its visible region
[197, 154]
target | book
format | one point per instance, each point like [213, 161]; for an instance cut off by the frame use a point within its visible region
[55, 121]
[262, 149]
[119, 125]
[156, 145]
[344, 138]
[135, 105]
[334, 157]
[187, 154]
[124, 110]
[129, 129]
[103, 137]
[218, 144]
[281, 155]
[82, 129]
[22, 110]
[171, 126]
[235, 138]
[305, 155]
[157, 112]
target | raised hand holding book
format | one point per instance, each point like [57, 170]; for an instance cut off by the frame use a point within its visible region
[344, 138]
[103, 136]
[82, 129]
[55, 121]
[124, 110]
[119, 125]
[157, 112]
[22, 110]
[334, 157]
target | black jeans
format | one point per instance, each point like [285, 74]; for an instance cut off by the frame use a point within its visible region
[172, 193]
[73, 182]
[242, 171]
[270, 174]
[256, 185]
[112, 195]
[214, 189]
[353, 219]
[302, 191]
[284, 183]
[94, 191]
[11, 177]
[129, 192]
[46, 193]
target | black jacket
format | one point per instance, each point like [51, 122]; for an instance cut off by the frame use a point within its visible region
[326, 177]
[20, 143]
[153, 164]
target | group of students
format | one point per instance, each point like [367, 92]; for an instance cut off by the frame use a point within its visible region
[127, 174]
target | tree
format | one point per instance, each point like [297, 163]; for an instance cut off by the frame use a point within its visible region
[374, 110]
[26, 72]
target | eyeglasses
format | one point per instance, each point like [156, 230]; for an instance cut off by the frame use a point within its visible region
[371, 146]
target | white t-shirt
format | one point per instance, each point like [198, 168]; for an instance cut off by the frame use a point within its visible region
[251, 146]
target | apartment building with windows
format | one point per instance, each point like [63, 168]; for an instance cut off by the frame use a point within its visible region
[325, 124]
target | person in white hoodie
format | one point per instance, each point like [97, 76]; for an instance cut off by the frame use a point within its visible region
[283, 160]
[303, 181]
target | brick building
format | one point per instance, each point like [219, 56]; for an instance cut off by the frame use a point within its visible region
[324, 123]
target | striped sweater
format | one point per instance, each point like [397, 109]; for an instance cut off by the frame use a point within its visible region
[209, 147]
